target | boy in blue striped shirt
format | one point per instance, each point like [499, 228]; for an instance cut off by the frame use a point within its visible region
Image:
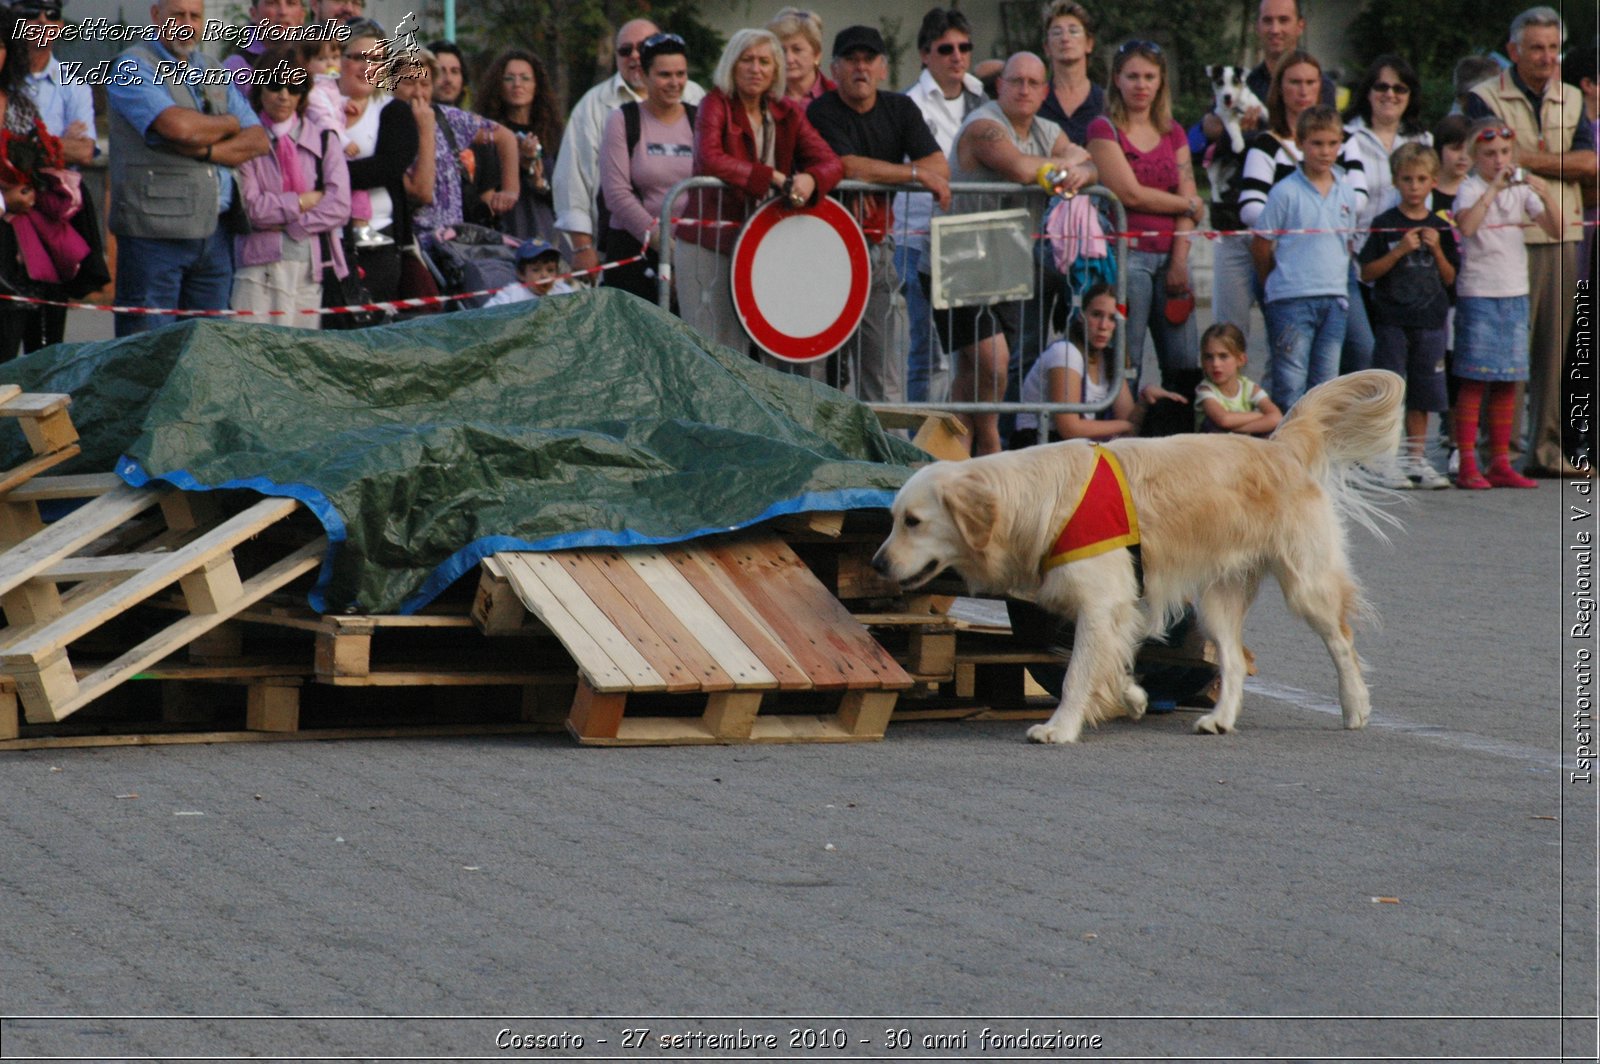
[1306, 274]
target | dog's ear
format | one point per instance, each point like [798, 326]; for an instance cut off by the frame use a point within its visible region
[1212, 71]
[970, 501]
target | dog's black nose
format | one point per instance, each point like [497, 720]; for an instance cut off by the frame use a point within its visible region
[879, 564]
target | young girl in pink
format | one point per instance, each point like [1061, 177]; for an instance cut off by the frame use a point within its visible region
[1492, 297]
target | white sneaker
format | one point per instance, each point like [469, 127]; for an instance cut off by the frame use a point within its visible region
[1452, 464]
[1423, 475]
[1394, 475]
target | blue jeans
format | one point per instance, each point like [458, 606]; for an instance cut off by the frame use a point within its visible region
[1177, 346]
[177, 274]
[1358, 337]
[1305, 335]
[924, 354]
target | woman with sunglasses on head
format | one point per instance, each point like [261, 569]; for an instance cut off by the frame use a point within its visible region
[647, 148]
[515, 94]
[800, 33]
[1143, 157]
[759, 143]
[1074, 100]
[1385, 112]
[381, 142]
[295, 195]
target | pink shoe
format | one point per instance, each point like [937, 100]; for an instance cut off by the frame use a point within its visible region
[1501, 475]
[1472, 480]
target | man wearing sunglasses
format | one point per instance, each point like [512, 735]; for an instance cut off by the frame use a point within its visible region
[1553, 142]
[881, 137]
[576, 182]
[173, 148]
[945, 93]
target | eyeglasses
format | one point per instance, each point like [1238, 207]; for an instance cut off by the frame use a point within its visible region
[1398, 88]
[1490, 134]
[965, 48]
[298, 88]
[658, 39]
[49, 14]
[1058, 32]
[1139, 46]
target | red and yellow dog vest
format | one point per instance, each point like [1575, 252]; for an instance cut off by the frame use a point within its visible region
[1103, 518]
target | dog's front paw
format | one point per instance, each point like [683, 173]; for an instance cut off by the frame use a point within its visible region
[1213, 724]
[1136, 700]
[1051, 733]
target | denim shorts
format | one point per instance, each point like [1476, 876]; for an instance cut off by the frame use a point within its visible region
[1491, 338]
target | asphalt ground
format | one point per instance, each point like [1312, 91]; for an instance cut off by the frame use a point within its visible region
[1422, 889]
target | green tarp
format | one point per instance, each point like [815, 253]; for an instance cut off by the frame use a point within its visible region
[587, 420]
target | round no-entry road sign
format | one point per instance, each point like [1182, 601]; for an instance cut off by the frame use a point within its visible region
[800, 279]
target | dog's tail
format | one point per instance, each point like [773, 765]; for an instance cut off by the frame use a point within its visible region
[1339, 428]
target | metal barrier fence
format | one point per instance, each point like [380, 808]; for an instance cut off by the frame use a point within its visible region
[919, 352]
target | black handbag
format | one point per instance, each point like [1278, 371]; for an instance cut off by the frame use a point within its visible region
[348, 290]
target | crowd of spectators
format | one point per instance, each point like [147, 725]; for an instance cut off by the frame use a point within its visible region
[338, 151]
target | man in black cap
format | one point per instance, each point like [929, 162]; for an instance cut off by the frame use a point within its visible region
[881, 137]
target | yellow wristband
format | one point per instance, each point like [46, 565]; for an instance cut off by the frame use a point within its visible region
[1044, 175]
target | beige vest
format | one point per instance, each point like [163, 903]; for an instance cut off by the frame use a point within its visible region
[1560, 112]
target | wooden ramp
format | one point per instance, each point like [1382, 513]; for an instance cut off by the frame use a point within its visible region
[740, 625]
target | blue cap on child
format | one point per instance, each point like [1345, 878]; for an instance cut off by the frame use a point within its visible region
[529, 250]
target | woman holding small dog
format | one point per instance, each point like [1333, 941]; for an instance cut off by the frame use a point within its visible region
[1143, 157]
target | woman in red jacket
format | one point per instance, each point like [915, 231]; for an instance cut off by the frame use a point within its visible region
[760, 144]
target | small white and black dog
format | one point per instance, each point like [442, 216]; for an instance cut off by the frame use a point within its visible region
[1233, 100]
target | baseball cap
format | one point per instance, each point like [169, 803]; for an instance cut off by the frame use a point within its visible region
[529, 250]
[858, 39]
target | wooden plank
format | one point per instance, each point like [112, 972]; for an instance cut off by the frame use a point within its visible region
[710, 629]
[811, 620]
[9, 392]
[372, 622]
[71, 486]
[719, 591]
[420, 675]
[604, 655]
[943, 436]
[413, 731]
[170, 639]
[167, 570]
[33, 404]
[751, 564]
[338, 656]
[584, 568]
[62, 539]
[34, 466]
[680, 633]
[72, 570]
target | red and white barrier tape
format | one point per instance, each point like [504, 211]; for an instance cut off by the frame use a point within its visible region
[354, 308]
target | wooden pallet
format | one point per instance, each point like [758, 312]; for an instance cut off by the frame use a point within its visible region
[736, 622]
[61, 582]
[46, 426]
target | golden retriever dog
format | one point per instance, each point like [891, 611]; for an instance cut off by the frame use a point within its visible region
[1214, 514]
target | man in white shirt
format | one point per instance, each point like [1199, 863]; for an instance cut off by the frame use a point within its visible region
[944, 94]
[576, 181]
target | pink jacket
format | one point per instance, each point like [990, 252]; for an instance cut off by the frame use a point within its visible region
[274, 212]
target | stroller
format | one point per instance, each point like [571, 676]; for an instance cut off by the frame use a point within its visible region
[470, 258]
